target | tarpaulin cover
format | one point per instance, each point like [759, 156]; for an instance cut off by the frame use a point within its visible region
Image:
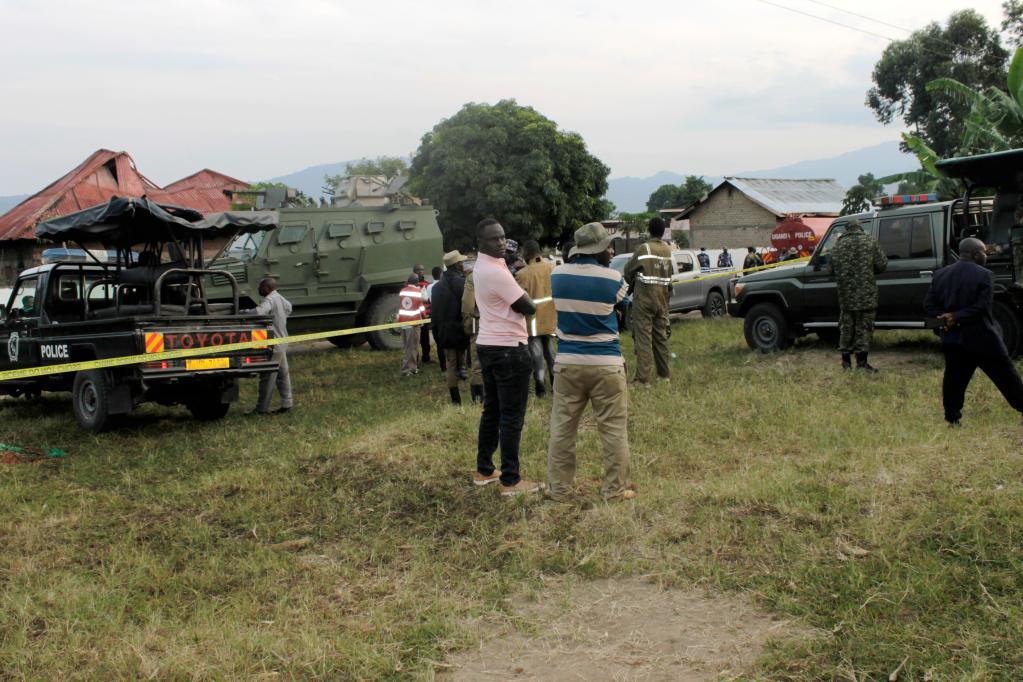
[125, 221]
[996, 170]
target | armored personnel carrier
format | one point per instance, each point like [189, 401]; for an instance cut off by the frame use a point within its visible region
[340, 267]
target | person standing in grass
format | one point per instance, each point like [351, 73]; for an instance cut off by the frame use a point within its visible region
[961, 297]
[278, 308]
[648, 274]
[535, 278]
[589, 367]
[437, 272]
[419, 270]
[410, 309]
[471, 326]
[855, 262]
[447, 320]
[504, 359]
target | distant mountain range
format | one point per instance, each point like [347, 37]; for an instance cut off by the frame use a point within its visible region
[631, 193]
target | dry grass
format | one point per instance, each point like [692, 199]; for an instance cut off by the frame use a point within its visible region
[329, 543]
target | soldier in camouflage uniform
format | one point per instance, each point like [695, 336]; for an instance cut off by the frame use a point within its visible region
[648, 274]
[855, 261]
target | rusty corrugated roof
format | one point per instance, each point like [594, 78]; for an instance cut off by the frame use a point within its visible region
[104, 175]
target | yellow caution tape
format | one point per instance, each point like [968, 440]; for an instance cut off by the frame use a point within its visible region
[732, 273]
[193, 352]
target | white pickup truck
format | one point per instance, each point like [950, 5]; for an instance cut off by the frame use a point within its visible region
[692, 287]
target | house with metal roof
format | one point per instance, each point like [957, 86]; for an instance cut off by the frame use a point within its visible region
[741, 212]
[103, 175]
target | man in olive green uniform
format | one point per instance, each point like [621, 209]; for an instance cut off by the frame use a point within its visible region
[535, 280]
[471, 325]
[855, 260]
[648, 274]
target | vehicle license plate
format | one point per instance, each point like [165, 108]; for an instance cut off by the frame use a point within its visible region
[208, 363]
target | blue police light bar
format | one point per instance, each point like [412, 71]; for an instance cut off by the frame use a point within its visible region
[906, 199]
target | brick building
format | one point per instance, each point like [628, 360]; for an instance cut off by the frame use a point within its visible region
[103, 175]
[743, 212]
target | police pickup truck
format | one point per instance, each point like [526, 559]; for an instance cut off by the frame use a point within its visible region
[147, 301]
[918, 235]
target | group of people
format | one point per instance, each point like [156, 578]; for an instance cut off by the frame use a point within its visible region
[500, 318]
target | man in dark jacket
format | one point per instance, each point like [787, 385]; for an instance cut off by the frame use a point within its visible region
[446, 309]
[961, 297]
[855, 261]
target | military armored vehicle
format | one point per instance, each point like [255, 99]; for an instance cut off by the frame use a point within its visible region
[340, 267]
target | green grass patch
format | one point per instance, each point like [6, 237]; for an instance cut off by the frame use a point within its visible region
[344, 541]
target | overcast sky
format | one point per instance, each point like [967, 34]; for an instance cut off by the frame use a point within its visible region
[261, 88]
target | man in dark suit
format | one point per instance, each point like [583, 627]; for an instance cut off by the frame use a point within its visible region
[960, 297]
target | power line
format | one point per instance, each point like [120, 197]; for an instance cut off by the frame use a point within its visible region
[848, 26]
[861, 16]
[830, 21]
[877, 21]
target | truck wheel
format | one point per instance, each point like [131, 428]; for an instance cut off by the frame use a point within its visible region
[348, 340]
[766, 328]
[383, 310]
[90, 399]
[715, 306]
[1009, 324]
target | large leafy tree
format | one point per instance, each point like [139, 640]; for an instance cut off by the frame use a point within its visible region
[692, 189]
[510, 162]
[860, 196]
[967, 49]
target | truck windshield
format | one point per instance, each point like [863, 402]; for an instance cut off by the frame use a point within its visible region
[245, 246]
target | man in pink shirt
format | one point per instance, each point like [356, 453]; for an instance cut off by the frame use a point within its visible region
[504, 359]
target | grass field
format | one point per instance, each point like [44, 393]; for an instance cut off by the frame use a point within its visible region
[343, 541]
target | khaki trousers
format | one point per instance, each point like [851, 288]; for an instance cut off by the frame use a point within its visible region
[452, 358]
[650, 338]
[410, 359]
[606, 389]
[476, 373]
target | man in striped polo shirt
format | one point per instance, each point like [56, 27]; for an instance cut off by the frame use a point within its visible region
[589, 367]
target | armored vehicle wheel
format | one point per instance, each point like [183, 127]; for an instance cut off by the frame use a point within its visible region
[715, 306]
[90, 399]
[1009, 323]
[348, 341]
[383, 310]
[766, 328]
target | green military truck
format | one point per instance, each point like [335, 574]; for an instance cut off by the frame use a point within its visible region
[340, 267]
[918, 235]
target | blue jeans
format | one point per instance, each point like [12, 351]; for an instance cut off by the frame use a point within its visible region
[506, 373]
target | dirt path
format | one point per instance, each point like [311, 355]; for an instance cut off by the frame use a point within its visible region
[625, 629]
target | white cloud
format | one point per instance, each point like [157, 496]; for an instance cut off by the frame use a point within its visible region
[262, 88]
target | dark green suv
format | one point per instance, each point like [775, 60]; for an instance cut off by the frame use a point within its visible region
[787, 302]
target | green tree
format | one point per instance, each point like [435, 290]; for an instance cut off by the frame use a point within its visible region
[692, 189]
[860, 196]
[387, 166]
[512, 163]
[1013, 21]
[967, 49]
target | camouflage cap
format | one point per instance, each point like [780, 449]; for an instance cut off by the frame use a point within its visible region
[590, 238]
[511, 246]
